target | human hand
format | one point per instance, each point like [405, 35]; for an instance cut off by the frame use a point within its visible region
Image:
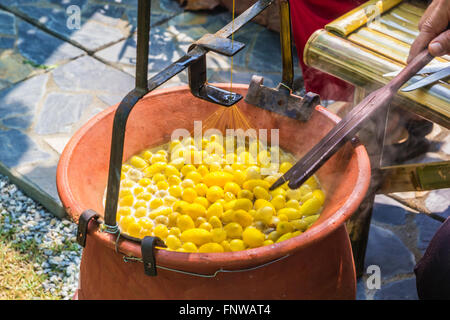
[434, 30]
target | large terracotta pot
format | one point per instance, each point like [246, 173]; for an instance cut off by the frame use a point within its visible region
[317, 264]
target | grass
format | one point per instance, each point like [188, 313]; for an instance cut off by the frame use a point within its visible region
[39, 66]
[18, 277]
[18, 280]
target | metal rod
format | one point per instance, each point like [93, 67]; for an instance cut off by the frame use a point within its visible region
[175, 68]
[115, 161]
[286, 44]
[143, 87]
[417, 208]
[143, 38]
[243, 18]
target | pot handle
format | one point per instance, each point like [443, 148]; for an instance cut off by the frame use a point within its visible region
[212, 275]
[123, 111]
[144, 86]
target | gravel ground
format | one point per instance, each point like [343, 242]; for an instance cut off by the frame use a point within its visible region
[52, 241]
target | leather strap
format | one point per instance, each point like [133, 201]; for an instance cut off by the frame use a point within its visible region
[148, 254]
[83, 224]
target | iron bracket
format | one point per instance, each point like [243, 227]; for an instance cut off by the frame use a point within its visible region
[280, 100]
[225, 46]
[197, 71]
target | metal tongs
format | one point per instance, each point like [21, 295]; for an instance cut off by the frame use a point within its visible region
[347, 128]
[434, 73]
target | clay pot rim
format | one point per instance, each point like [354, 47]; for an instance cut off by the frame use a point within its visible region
[228, 260]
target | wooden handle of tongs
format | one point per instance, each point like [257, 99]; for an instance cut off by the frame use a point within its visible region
[347, 128]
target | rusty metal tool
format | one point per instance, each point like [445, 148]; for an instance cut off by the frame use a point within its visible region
[280, 99]
[347, 128]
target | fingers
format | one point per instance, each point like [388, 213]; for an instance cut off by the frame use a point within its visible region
[431, 9]
[421, 42]
[433, 22]
[440, 45]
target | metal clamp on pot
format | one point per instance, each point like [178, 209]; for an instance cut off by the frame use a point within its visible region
[197, 71]
[280, 99]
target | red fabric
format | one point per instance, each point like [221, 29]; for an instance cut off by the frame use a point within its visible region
[307, 17]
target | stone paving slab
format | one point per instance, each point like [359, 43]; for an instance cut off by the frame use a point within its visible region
[36, 126]
[171, 40]
[400, 233]
[388, 252]
[49, 88]
[101, 22]
[389, 248]
[437, 202]
[62, 97]
[398, 290]
[26, 50]
[397, 240]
